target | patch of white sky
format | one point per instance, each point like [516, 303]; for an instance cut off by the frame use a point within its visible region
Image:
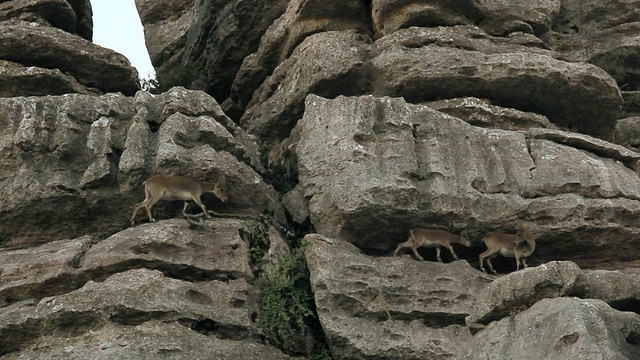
[117, 26]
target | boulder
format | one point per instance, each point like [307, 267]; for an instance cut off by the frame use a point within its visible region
[603, 33]
[18, 80]
[91, 65]
[560, 328]
[375, 167]
[384, 307]
[114, 312]
[56, 13]
[518, 291]
[208, 40]
[301, 19]
[620, 289]
[426, 64]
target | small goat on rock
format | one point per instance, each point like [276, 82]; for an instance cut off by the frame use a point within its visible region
[520, 246]
[173, 187]
[423, 237]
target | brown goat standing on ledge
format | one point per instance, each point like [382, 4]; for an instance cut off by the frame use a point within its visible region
[422, 237]
[521, 246]
[173, 187]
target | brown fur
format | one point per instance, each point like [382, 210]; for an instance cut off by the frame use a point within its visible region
[173, 187]
[422, 237]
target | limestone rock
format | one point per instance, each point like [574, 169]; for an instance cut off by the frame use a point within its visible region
[495, 17]
[449, 62]
[296, 204]
[631, 104]
[516, 292]
[91, 65]
[153, 339]
[69, 160]
[425, 64]
[560, 328]
[84, 18]
[209, 39]
[73, 16]
[301, 19]
[391, 15]
[195, 138]
[333, 61]
[211, 251]
[480, 112]
[628, 132]
[38, 272]
[47, 146]
[375, 167]
[620, 289]
[602, 33]
[503, 16]
[215, 308]
[166, 26]
[390, 307]
[18, 80]
[56, 13]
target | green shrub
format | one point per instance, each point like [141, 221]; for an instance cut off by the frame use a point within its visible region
[285, 297]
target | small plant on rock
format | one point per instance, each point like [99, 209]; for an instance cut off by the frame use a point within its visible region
[285, 295]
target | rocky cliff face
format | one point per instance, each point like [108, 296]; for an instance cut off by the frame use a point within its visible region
[474, 116]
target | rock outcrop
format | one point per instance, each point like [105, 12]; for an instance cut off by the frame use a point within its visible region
[72, 16]
[187, 287]
[472, 116]
[206, 40]
[374, 167]
[99, 70]
[69, 160]
[47, 50]
[425, 64]
[400, 308]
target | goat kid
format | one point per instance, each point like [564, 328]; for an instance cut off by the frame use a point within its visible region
[423, 237]
[173, 187]
[519, 246]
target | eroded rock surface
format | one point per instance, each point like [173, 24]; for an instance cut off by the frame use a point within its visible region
[98, 69]
[408, 166]
[207, 41]
[72, 16]
[187, 283]
[424, 64]
[301, 19]
[573, 329]
[81, 157]
[390, 307]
